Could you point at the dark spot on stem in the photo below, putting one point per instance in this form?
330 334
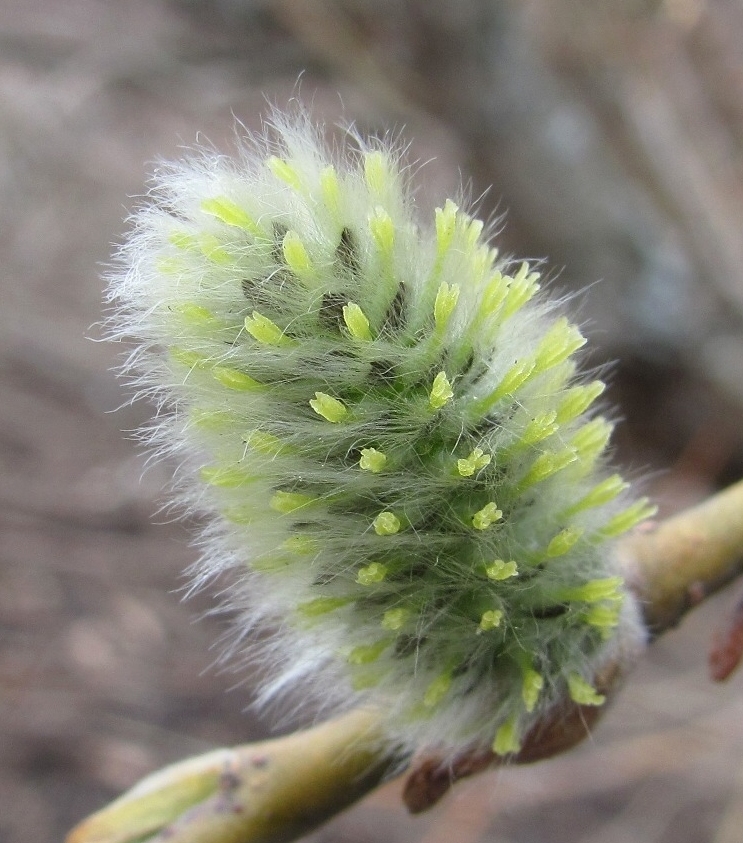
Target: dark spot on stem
229 780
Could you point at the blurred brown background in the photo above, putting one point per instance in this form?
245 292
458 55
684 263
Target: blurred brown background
612 136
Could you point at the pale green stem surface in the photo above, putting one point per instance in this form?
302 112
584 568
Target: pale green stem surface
675 564
268 792
277 790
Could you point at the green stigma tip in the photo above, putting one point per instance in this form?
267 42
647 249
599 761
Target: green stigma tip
331 409
446 222
386 524
594 591
546 465
539 429
511 382
592 438
564 541
295 255
321 606
287 502
356 322
583 692
367 653
531 689
521 289
441 392
383 230
330 188
473 228
628 518
371 574
394 619
486 517
558 344
234 379
474 462
265 331
604 617
500 570
446 301
225 477
602 493
493 296
491 619
285 171
372 460
197 316
507 740
226 211
577 400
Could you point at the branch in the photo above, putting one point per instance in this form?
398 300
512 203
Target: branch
274 791
268 792
674 565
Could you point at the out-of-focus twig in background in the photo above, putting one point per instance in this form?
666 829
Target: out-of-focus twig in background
611 137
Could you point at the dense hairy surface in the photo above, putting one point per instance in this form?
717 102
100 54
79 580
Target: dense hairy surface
386 423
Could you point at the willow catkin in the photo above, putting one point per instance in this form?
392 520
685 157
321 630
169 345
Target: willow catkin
387 429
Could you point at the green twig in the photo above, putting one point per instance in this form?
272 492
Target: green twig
273 791
674 565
